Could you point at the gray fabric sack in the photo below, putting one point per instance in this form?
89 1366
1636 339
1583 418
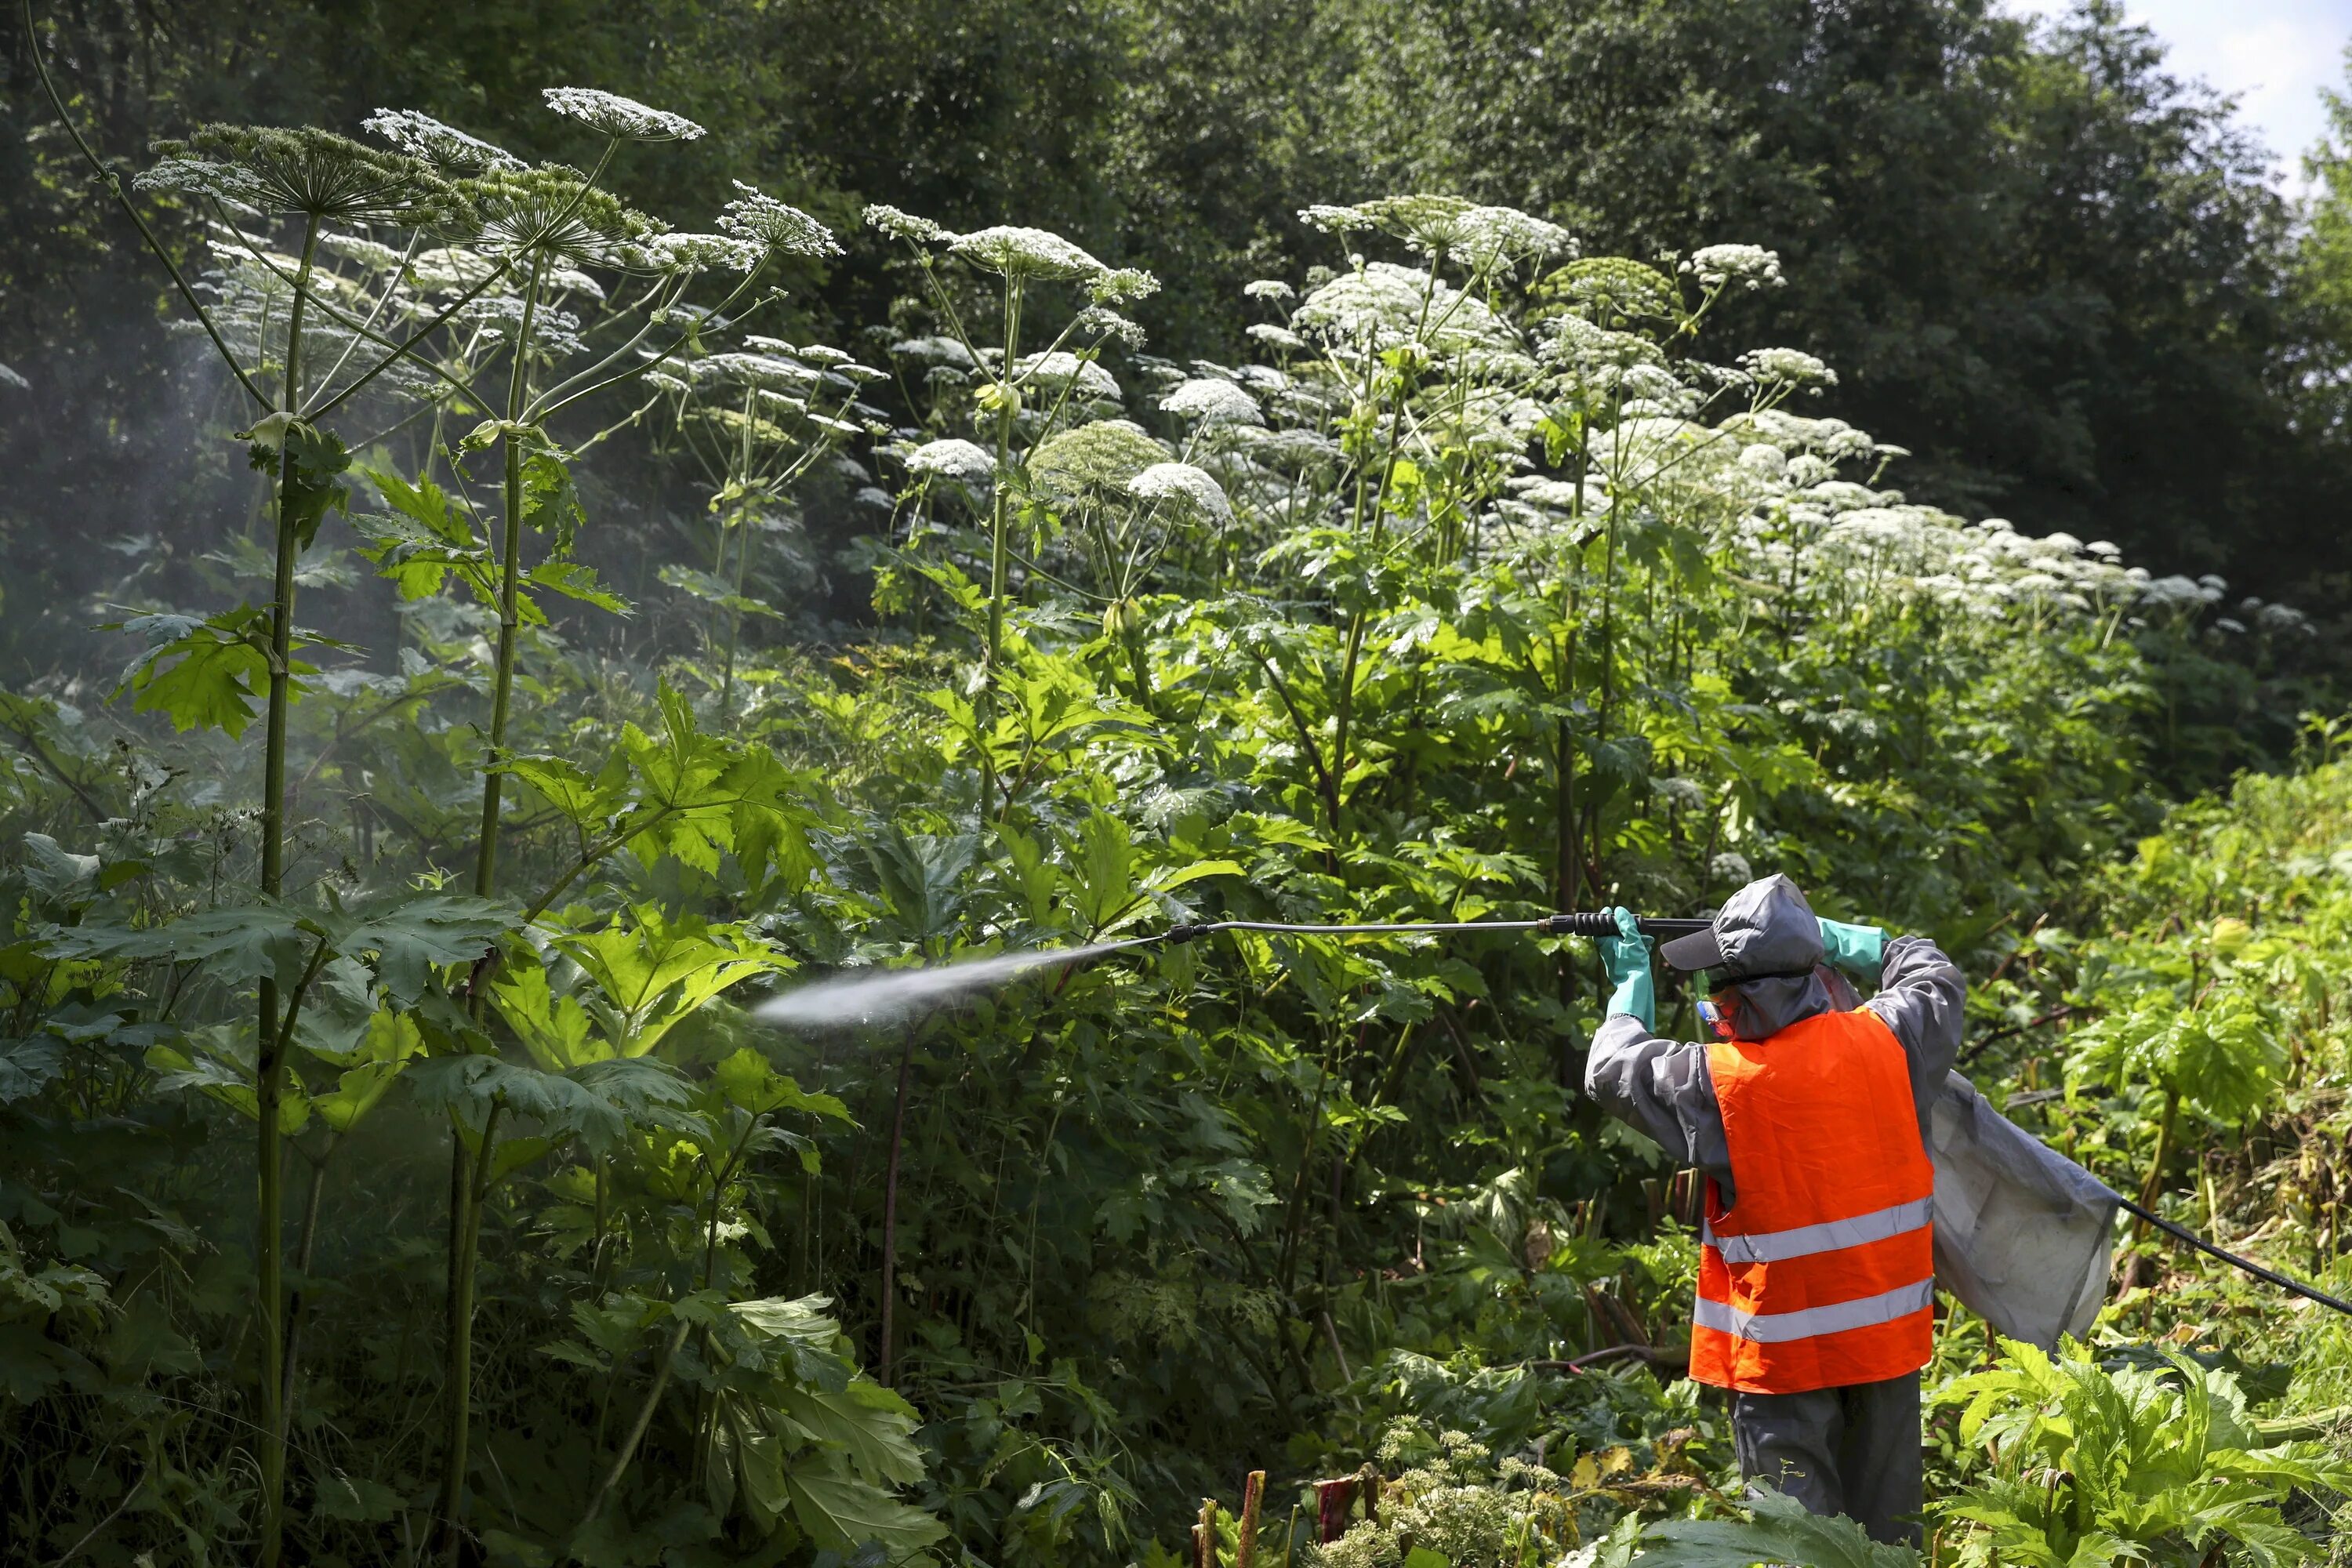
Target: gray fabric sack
2023 1233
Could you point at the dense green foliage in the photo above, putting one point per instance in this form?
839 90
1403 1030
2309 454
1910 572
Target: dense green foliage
397 1163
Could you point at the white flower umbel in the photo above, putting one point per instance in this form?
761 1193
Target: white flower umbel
452 150
758 218
892 223
933 351
1102 321
202 178
1335 219
1018 252
1746 266
615 116
448 270
696 253
1791 368
754 369
952 459
1478 235
1122 285
1188 487
1387 305
375 258
1209 400
1272 289
1062 368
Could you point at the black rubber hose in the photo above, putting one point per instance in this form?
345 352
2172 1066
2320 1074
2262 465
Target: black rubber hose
2181 1233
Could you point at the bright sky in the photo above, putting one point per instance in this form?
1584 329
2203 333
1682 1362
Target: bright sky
2273 55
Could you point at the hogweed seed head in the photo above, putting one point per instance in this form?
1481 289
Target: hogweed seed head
447 148
316 174
783 229
555 214
1016 252
1092 461
623 118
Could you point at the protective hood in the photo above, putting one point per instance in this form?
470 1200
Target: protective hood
1765 947
1765 928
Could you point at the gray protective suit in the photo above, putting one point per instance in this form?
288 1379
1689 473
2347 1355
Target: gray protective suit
1853 1450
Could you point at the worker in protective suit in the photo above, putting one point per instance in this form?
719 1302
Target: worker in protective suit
1816 1273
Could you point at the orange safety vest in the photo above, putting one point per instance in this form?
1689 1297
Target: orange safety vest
1823 1273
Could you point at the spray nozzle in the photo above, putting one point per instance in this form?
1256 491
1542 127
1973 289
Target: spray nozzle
1178 935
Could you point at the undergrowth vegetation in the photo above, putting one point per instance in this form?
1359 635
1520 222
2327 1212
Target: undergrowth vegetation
396 1166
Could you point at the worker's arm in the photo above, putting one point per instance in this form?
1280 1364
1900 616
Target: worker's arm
1661 1088
1920 996
1653 1085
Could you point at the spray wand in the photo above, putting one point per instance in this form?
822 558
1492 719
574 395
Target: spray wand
1584 922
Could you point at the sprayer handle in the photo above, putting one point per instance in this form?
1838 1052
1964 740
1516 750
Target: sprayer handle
1601 923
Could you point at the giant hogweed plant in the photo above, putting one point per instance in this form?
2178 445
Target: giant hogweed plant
1017 401
305 339
755 420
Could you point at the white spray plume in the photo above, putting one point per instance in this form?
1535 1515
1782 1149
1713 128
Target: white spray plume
878 998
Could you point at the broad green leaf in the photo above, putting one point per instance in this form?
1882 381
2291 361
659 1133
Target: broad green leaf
467 1087
872 1427
213 673
550 502
412 937
655 972
556 1030
234 944
308 464
750 1083
843 1513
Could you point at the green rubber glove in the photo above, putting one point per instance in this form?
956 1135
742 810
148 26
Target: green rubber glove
1860 951
1626 958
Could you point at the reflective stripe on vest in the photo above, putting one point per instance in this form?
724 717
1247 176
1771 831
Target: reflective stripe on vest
1781 1328
1831 1236
1824 1273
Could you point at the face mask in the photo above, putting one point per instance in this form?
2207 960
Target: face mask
1715 1019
